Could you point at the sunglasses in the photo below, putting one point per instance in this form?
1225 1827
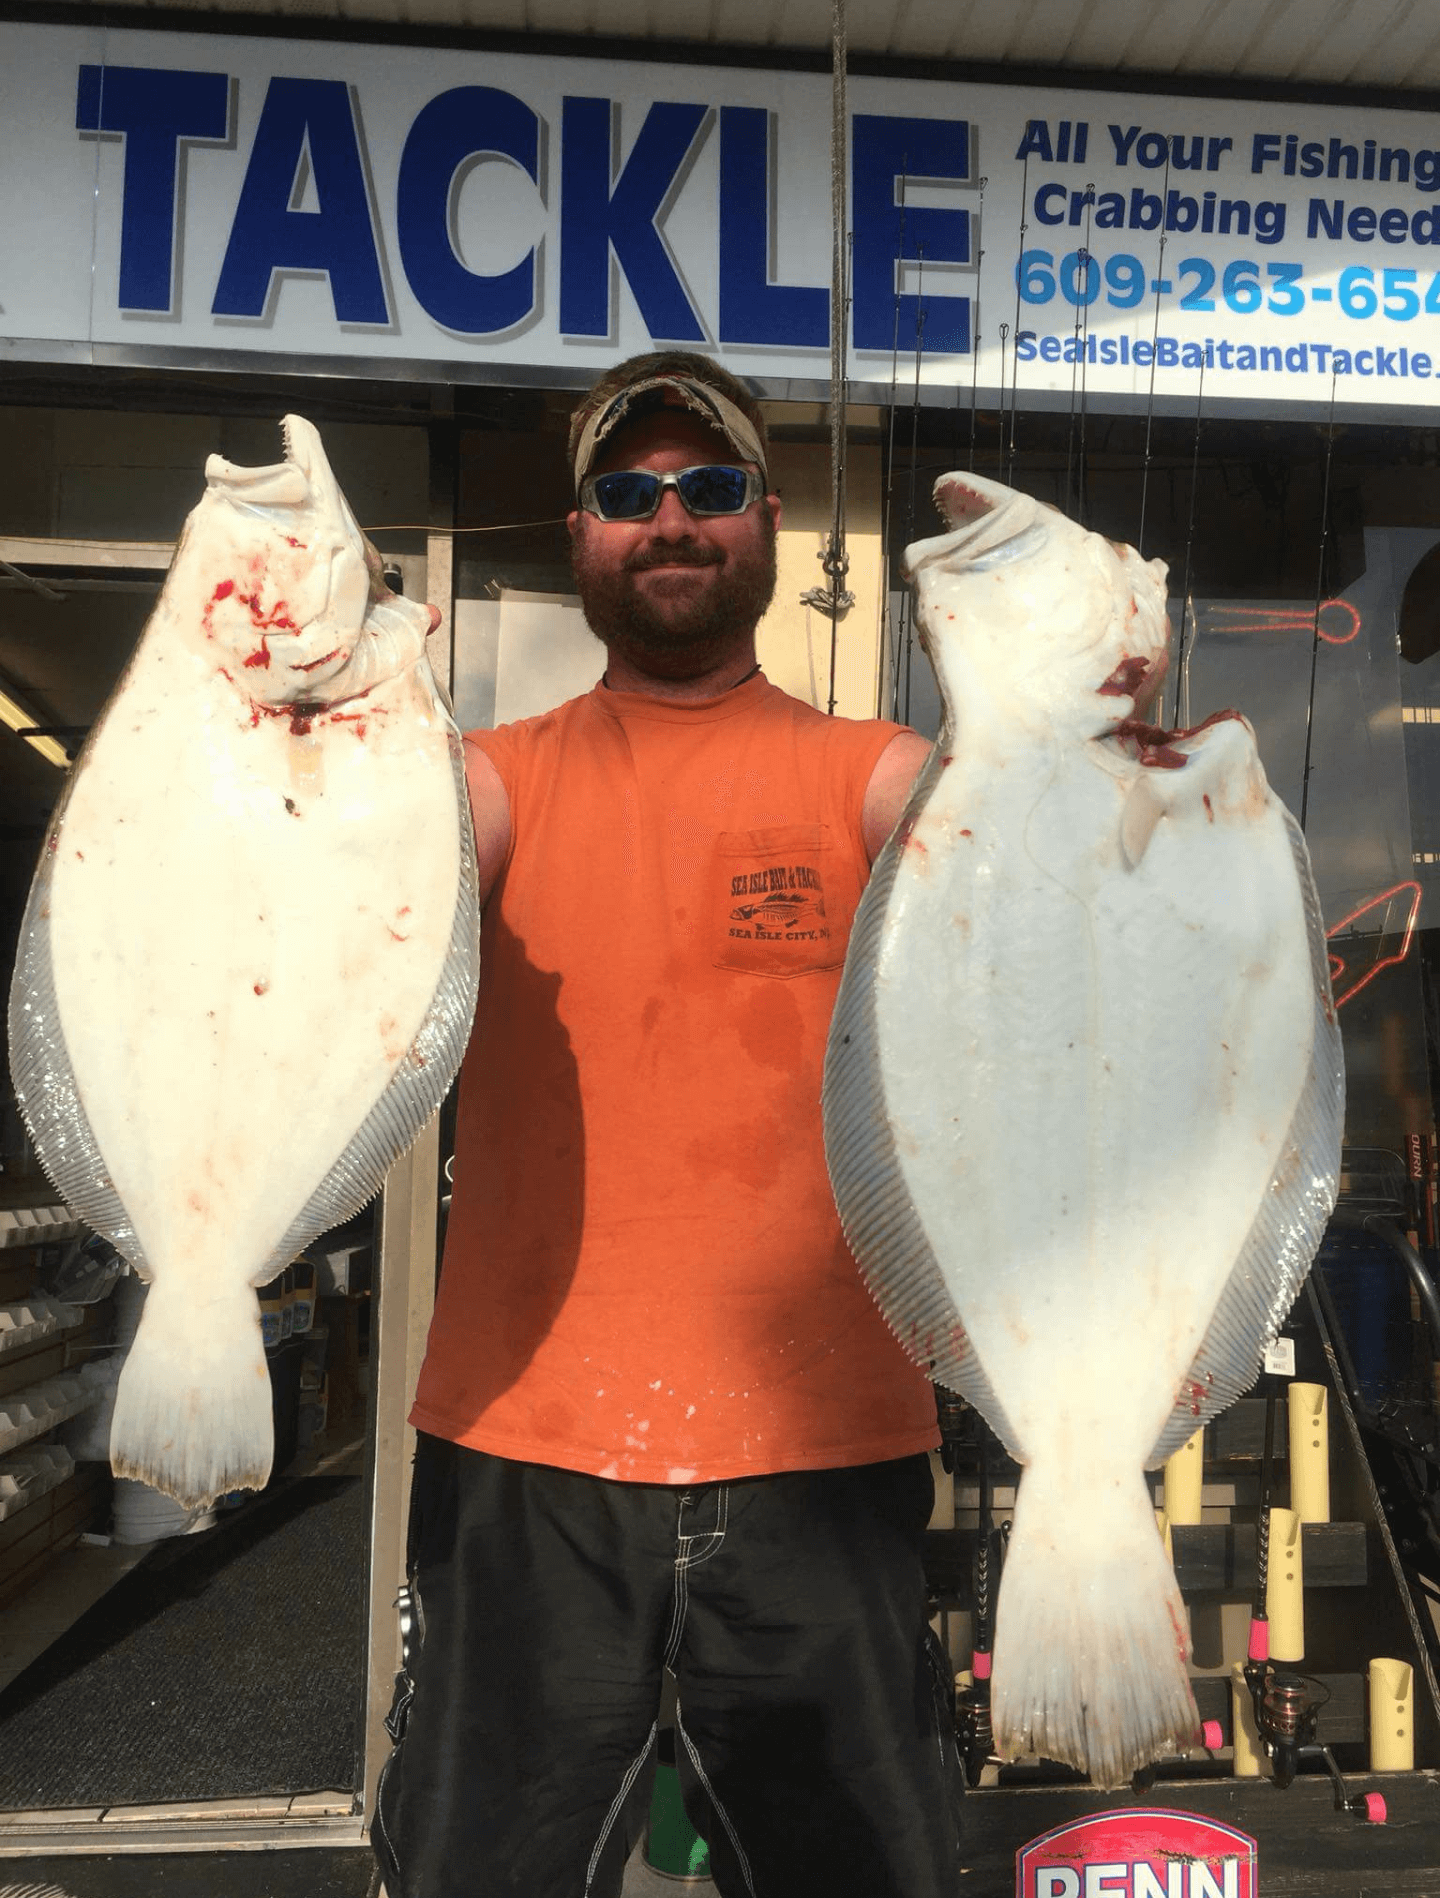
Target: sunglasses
635 494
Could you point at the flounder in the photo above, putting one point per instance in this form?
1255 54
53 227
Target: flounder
248 966
1083 1092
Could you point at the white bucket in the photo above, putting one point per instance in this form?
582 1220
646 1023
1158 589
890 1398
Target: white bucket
144 1514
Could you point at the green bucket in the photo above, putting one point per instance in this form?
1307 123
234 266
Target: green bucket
672 1845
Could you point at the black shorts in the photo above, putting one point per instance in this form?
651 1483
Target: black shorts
813 1737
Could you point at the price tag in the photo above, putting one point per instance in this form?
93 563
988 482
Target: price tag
1280 1358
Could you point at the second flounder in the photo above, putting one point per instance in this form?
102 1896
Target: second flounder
1084 1093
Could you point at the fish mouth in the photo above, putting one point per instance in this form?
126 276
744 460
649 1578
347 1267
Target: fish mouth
303 483
989 525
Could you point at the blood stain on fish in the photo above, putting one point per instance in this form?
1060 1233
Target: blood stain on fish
1153 743
1125 680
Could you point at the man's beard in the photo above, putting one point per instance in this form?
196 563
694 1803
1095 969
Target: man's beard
678 638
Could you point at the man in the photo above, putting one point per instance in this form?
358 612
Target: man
663 1424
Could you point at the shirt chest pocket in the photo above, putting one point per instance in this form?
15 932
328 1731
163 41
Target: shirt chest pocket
783 900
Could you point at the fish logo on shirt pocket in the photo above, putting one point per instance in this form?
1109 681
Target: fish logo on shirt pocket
774 901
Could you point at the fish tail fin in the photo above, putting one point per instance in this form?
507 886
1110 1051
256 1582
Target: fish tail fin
1091 1635
193 1412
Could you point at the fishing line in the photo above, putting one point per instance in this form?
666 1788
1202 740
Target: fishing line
835 560
1154 339
1077 345
1181 654
504 527
1008 460
1319 596
1079 372
388 527
975 336
1082 494
914 457
898 629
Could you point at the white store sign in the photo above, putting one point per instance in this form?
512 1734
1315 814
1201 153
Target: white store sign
212 199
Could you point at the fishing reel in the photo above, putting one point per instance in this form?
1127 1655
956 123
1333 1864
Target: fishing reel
974 1728
960 1426
1287 1709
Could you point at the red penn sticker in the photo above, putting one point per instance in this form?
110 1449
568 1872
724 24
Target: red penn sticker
1138 1853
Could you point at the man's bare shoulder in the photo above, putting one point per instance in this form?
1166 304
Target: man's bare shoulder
490 810
889 788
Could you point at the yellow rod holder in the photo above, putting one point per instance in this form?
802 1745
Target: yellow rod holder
1184 1474
1392 1716
1310 1452
1285 1587
1250 1758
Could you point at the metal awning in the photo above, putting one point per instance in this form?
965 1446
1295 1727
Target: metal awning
1386 44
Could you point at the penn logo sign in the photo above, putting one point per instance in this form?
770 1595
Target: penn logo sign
1138 1854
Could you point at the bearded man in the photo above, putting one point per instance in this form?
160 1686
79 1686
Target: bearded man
663 1425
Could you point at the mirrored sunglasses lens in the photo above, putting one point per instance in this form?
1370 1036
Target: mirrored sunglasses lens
713 490
627 496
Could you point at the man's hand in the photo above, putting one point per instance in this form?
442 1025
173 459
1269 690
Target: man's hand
889 787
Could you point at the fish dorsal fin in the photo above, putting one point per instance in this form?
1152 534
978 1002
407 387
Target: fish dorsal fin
879 1219
45 1083
1290 1221
418 1084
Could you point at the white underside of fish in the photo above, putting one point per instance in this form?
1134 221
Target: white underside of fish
1082 1107
246 978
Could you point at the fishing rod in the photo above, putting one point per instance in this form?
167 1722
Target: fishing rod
1319 595
978 1730
899 627
914 455
1182 654
960 1426
1154 339
1008 460
1256 1667
834 559
975 334
1079 370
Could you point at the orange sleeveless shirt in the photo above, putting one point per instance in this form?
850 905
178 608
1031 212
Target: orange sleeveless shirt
644 1274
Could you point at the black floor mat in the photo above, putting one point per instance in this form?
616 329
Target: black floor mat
314 1873
229 1663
